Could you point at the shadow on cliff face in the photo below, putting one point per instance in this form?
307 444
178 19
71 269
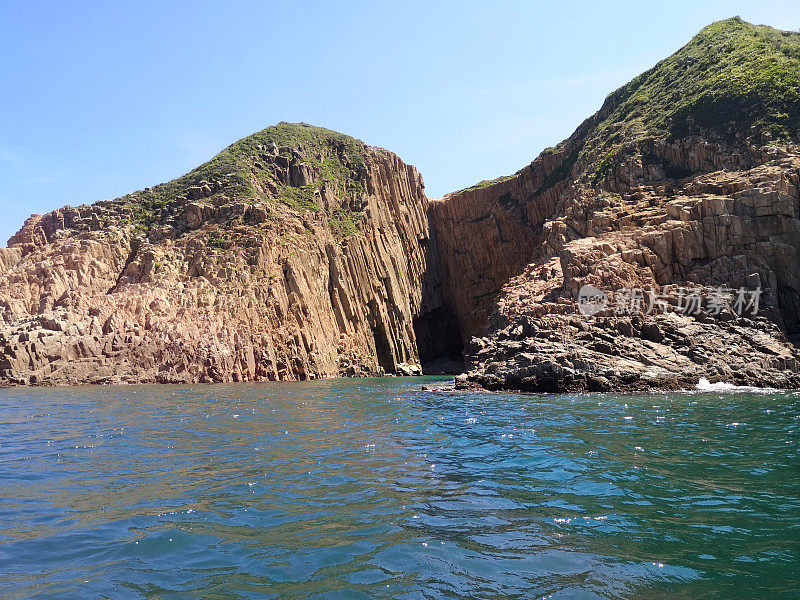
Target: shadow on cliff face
437 328
439 342
383 348
789 302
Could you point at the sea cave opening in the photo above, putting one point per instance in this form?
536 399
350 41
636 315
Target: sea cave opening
383 349
439 342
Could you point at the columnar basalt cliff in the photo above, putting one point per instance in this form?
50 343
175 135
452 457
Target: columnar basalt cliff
296 253
686 181
299 252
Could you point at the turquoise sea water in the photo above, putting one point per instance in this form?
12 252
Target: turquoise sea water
377 489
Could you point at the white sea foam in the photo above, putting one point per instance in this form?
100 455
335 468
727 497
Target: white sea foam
704 385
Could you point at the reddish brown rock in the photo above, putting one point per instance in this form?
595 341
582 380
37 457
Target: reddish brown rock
737 228
221 288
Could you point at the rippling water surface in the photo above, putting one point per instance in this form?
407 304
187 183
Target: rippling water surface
377 489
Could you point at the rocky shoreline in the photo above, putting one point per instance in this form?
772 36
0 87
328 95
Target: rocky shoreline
572 353
301 253
722 229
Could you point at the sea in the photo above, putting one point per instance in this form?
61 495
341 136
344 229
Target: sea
397 488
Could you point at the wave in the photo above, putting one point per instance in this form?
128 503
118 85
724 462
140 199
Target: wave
704 385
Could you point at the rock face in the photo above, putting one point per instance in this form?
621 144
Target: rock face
636 204
560 353
297 253
723 229
486 235
300 253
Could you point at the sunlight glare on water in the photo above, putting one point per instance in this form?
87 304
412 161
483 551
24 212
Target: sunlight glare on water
378 489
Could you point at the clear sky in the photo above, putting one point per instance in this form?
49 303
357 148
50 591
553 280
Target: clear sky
104 98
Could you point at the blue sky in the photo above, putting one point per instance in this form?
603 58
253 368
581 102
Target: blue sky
104 98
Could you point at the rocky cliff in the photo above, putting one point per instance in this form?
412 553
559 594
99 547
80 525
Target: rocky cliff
299 253
685 183
295 253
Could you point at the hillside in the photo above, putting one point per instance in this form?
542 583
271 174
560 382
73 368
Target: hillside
295 253
289 162
298 252
732 81
687 177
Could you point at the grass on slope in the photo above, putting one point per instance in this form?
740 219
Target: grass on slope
731 78
338 158
486 183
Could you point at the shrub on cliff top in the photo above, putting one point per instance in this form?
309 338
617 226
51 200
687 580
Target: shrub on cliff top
339 160
732 79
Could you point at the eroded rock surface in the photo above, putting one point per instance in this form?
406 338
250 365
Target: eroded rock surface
305 261
640 229
649 196
301 253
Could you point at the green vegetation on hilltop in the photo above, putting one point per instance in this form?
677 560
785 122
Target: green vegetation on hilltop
486 183
733 79
338 160
339 169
